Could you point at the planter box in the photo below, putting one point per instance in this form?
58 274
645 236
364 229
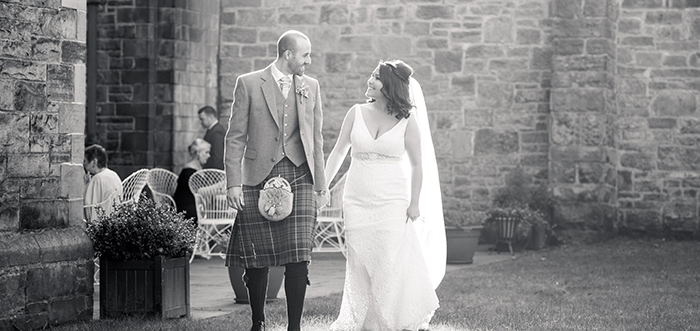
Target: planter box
160 287
462 244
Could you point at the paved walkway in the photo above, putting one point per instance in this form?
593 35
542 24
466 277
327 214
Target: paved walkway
211 293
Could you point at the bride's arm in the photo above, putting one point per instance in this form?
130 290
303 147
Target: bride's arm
342 145
413 149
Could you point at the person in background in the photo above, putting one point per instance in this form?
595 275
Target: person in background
209 119
184 199
103 186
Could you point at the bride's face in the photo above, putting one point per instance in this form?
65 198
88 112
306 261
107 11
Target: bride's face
374 86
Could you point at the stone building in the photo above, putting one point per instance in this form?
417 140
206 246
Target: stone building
597 99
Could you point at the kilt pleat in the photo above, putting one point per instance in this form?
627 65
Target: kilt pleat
256 242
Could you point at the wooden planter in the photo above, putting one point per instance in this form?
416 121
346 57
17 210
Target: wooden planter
462 244
274 284
160 287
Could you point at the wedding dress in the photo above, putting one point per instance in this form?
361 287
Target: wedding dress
388 284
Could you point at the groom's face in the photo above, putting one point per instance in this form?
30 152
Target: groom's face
300 57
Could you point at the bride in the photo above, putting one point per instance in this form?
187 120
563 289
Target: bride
393 211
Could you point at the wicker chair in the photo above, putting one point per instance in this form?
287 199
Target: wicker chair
163 183
329 235
133 185
215 217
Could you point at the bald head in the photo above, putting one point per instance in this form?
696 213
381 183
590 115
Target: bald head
288 41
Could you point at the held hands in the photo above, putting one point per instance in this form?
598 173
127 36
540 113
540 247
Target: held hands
322 199
412 213
234 196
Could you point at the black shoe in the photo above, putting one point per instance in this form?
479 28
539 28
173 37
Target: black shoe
258 326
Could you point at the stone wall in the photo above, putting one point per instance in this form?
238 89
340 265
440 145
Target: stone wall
485 68
46 262
659 116
156 67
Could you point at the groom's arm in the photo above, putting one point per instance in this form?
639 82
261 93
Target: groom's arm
319 171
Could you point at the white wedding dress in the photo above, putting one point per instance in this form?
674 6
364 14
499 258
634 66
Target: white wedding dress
388 284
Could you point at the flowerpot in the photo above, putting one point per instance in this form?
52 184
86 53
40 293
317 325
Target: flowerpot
235 276
160 287
462 244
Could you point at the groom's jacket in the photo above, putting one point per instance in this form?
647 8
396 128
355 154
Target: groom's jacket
256 133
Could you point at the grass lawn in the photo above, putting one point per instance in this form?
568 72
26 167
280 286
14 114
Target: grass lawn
623 284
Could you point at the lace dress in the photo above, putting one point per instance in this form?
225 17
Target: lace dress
387 285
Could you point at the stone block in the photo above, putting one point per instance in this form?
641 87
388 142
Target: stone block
642 220
663 17
681 215
298 18
642 4
495 95
18 249
638 41
14 132
596 8
679 158
578 100
541 59
488 141
18 69
568 46
528 37
354 43
629 25
40 188
393 46
239 35
395 12
498 30
483 51
433 43
678 46
30 96
48 50
689 126
662 123
675 103
563 128
583 28
599 46
416 28
566 9
13 286
448 61
28 165
465 84
260 17
640 161
72 180
76 308
39 214
431 12
462 144
338 62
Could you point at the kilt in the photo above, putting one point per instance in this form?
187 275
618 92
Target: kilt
256 242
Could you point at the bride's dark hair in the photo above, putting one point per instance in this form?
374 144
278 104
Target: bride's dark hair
395 75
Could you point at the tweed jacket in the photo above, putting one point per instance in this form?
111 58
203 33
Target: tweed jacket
215 137
251 144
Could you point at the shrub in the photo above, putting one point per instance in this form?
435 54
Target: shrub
140 231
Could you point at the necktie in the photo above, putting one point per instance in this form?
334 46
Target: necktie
285 85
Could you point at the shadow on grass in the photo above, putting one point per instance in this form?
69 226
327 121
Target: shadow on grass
622 284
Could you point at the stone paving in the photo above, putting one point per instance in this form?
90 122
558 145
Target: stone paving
212 295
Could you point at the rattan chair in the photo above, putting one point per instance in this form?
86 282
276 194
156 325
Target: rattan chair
133 185
329 235
163 183
215 217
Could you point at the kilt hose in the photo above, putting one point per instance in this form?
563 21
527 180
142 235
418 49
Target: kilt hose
256 242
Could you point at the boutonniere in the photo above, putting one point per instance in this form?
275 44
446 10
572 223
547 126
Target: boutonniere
303 90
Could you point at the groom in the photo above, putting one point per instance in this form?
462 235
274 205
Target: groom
275 130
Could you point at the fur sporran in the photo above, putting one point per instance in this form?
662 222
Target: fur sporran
276 199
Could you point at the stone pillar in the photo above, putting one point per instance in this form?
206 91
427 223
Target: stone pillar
156 67
46 265
583 151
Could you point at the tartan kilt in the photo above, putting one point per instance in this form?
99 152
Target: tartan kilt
256 242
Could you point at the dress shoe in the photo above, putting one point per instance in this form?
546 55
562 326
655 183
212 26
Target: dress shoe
258 326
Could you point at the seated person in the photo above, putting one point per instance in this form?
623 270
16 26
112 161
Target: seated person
103 185
184 199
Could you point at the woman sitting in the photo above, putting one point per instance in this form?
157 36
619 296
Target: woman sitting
184 199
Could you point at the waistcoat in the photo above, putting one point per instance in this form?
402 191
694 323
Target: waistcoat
289 138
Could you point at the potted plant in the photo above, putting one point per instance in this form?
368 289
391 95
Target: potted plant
520 213
235 276
143 251
462 230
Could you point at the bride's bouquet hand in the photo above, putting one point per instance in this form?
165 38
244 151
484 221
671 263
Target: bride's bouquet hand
413 212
